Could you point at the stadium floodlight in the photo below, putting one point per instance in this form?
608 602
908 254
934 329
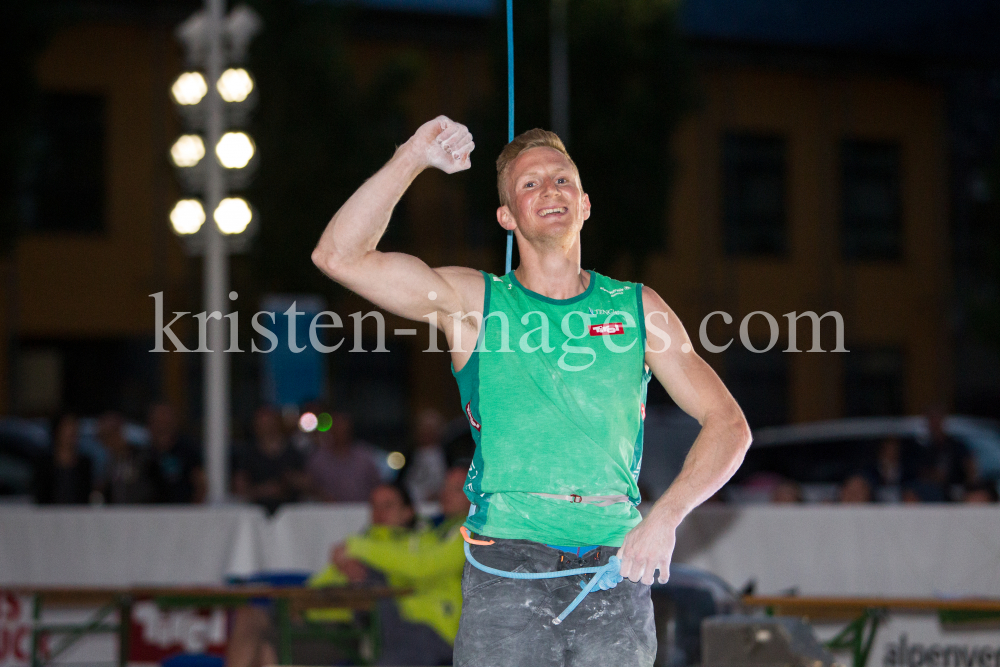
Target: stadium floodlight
189 88
188 150
235 149
187 217
235 85
233 215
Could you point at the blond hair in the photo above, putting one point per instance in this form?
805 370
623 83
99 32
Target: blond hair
535 138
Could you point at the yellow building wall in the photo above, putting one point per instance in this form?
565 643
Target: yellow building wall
898 303
98 285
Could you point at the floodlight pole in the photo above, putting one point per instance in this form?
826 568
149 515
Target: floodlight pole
216 275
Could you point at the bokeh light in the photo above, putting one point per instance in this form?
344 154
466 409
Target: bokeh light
234 150
188 150
324 422
189 88
308 422
235 85
233 215
395 460
187 216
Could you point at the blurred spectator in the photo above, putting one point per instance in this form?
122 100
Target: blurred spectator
420 628
178 476
425 475
253 637
894 467
786 491
759 487
920 491
947 462
856 489
980 494
128 474
340 469
269 472
65 476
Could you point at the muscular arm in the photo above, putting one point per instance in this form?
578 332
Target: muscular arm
715 455
399 283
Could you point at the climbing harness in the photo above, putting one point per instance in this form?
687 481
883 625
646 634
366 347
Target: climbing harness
605 576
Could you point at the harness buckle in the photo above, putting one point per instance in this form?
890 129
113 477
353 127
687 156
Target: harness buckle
575 498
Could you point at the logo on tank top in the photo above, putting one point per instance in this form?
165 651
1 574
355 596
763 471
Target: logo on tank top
606 311
609 329
618 291
472 420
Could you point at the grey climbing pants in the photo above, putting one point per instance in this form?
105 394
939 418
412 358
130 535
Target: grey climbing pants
508 622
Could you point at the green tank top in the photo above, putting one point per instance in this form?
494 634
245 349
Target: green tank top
555 396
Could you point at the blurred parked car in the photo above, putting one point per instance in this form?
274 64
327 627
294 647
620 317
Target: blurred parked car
22 443
820 455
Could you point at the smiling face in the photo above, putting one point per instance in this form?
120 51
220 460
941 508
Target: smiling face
547 204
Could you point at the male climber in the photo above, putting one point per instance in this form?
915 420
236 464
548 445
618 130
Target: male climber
552 363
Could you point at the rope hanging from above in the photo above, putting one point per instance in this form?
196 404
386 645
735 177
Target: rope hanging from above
510 107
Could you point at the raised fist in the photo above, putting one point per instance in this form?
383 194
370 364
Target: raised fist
444 144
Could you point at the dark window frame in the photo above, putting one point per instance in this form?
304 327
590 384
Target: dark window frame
750 376
854 390
749 160
69 192
875 164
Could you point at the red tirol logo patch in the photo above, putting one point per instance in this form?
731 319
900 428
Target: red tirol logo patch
472 420
609 329
642 411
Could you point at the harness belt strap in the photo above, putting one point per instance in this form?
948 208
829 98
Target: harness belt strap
600 501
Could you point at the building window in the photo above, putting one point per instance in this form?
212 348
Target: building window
87 376
754 206
871 210
69 190
873 382
39 381
759 383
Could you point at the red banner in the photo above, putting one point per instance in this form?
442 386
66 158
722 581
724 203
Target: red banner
15 630
156 633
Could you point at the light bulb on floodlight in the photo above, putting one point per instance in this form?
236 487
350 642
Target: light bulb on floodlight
234 150
188 150
233 215
189 88
187 217
235 85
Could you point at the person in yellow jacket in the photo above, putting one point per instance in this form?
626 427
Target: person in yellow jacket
253 634
419 628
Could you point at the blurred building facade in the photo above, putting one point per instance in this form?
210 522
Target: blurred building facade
805 191
814 177
76 308
821 175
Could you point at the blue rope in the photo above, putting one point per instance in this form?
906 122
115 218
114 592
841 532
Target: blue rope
510 106
606 576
